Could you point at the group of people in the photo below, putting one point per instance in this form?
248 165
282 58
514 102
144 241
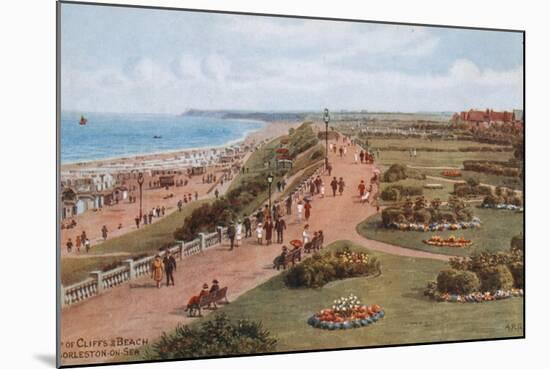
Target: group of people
161 267
195 300
365 156
147 218
80 241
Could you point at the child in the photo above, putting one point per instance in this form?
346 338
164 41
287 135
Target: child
259 233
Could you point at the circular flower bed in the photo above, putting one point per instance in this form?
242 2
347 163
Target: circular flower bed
346 313
432 227
451 173
452 241
478 296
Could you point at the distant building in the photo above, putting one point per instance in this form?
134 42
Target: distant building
488 117
166 181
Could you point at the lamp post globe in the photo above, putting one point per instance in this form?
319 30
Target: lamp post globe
140 180
269 181
326 118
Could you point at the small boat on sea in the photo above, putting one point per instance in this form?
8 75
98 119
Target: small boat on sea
83 120
155 136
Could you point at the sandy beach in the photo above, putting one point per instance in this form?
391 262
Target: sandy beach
119 218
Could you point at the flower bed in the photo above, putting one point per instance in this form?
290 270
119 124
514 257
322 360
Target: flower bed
452 241
451 173
478 296
432 227
503 207
346 313
321 269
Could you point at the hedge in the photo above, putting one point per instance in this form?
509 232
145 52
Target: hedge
218 337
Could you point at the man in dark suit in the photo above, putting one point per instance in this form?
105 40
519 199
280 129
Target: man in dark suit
280 226
169 267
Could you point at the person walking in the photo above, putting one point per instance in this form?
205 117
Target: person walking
238 233
322 189
87 245
259 233
169 267
137 220
157 270
268 226
334 186
180 205
341 185
151 217
280 226
247 226
329 169
356 157
231 233
288 204
361 188
69 245
83 235
307 208
299 210
362 156
217 193
305 234
78 243
104 232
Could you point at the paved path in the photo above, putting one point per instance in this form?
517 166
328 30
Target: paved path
140 310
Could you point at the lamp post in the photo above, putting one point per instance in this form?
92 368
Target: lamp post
269 182
140 180
326 118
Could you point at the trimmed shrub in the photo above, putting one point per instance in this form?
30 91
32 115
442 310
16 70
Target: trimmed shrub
517 242
517 272
392 215
457 281
320 269
496 278
395 173
397 192
218 337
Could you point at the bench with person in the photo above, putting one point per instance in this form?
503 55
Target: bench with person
287 257
207 299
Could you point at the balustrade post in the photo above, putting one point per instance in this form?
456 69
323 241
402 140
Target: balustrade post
219 229
97 275
129 263
181 246
202 238
62 295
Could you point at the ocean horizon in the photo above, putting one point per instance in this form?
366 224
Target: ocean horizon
114 135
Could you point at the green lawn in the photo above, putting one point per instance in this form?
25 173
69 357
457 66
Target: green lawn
146 240
407 143
498 227
487 178
410 317
438 159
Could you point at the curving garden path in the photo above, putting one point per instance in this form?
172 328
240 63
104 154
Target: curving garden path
140 310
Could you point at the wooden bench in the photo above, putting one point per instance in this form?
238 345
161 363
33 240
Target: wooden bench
207 300
291 257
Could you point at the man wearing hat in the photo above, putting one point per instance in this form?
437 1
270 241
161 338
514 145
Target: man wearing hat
231 232
169 267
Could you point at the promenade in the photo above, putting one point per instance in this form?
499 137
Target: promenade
140 310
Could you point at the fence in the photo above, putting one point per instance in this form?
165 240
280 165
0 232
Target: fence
131 269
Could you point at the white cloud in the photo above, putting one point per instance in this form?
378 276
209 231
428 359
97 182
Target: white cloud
208 83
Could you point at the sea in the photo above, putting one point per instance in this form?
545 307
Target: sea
109 135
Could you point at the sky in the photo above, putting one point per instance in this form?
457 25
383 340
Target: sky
133 60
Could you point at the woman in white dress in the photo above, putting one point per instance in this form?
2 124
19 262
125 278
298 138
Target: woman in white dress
305 234
259 233
238 233
299 211
356 157
322 189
